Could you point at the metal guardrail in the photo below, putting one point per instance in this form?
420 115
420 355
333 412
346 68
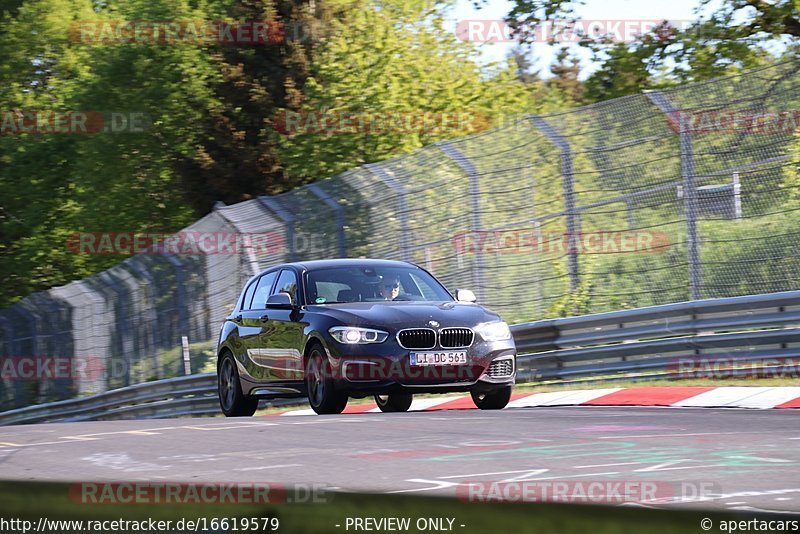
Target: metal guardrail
652 342
672 338
194 395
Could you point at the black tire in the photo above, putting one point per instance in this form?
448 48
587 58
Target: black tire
394 402
322 393
492 400
233 402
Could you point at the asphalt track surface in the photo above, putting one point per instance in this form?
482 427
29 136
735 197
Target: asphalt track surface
729 459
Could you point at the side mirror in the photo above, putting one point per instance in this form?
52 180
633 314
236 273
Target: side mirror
280 301
465 295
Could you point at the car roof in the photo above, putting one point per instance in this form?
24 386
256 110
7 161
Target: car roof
343 262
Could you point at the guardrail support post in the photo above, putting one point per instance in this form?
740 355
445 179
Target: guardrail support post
402 210
689 190
187 362
474 195
568 179
338 210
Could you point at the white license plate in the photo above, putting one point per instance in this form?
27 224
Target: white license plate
439 358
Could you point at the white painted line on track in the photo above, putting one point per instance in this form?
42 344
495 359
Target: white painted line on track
668 466
761 459
263 467
676 435
605 465
492 473
437 485
609 473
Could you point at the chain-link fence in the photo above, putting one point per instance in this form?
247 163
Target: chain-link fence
667 196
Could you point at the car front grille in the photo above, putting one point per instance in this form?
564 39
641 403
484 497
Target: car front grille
417 338
501 368
454 338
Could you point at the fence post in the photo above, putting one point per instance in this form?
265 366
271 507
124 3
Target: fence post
6 347
15 393
402 210
152 320
338 210
568 179
474 196
287 217
180 281
689 188
32 324
122 321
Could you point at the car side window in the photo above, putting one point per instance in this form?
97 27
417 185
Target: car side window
248 295
287 283
262 292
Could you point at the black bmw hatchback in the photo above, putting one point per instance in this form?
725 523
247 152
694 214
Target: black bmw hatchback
335 329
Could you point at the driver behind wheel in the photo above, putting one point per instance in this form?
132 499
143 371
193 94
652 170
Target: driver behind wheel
390 287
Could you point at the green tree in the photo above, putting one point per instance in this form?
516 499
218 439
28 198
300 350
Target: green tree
53 185
565 70
394 60
237 156
733 36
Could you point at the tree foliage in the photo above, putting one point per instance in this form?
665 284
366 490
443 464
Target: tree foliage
211 109
391 78
727 36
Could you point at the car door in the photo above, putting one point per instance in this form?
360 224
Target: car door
283 333
252 325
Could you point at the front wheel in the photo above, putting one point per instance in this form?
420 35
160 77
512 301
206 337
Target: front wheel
395 402
492 400
233 402
322 395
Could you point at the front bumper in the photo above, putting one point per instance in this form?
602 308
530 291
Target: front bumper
386 368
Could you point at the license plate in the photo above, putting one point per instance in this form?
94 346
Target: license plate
439 358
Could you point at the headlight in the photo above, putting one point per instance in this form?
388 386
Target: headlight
497 331
351 335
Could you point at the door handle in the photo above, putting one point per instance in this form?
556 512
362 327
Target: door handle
264 318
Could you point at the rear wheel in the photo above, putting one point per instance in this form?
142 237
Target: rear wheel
233 402
492 400
322 394
394 402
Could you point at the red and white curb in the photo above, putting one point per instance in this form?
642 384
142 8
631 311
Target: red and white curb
681 397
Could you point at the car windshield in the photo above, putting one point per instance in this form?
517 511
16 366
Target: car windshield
372 284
